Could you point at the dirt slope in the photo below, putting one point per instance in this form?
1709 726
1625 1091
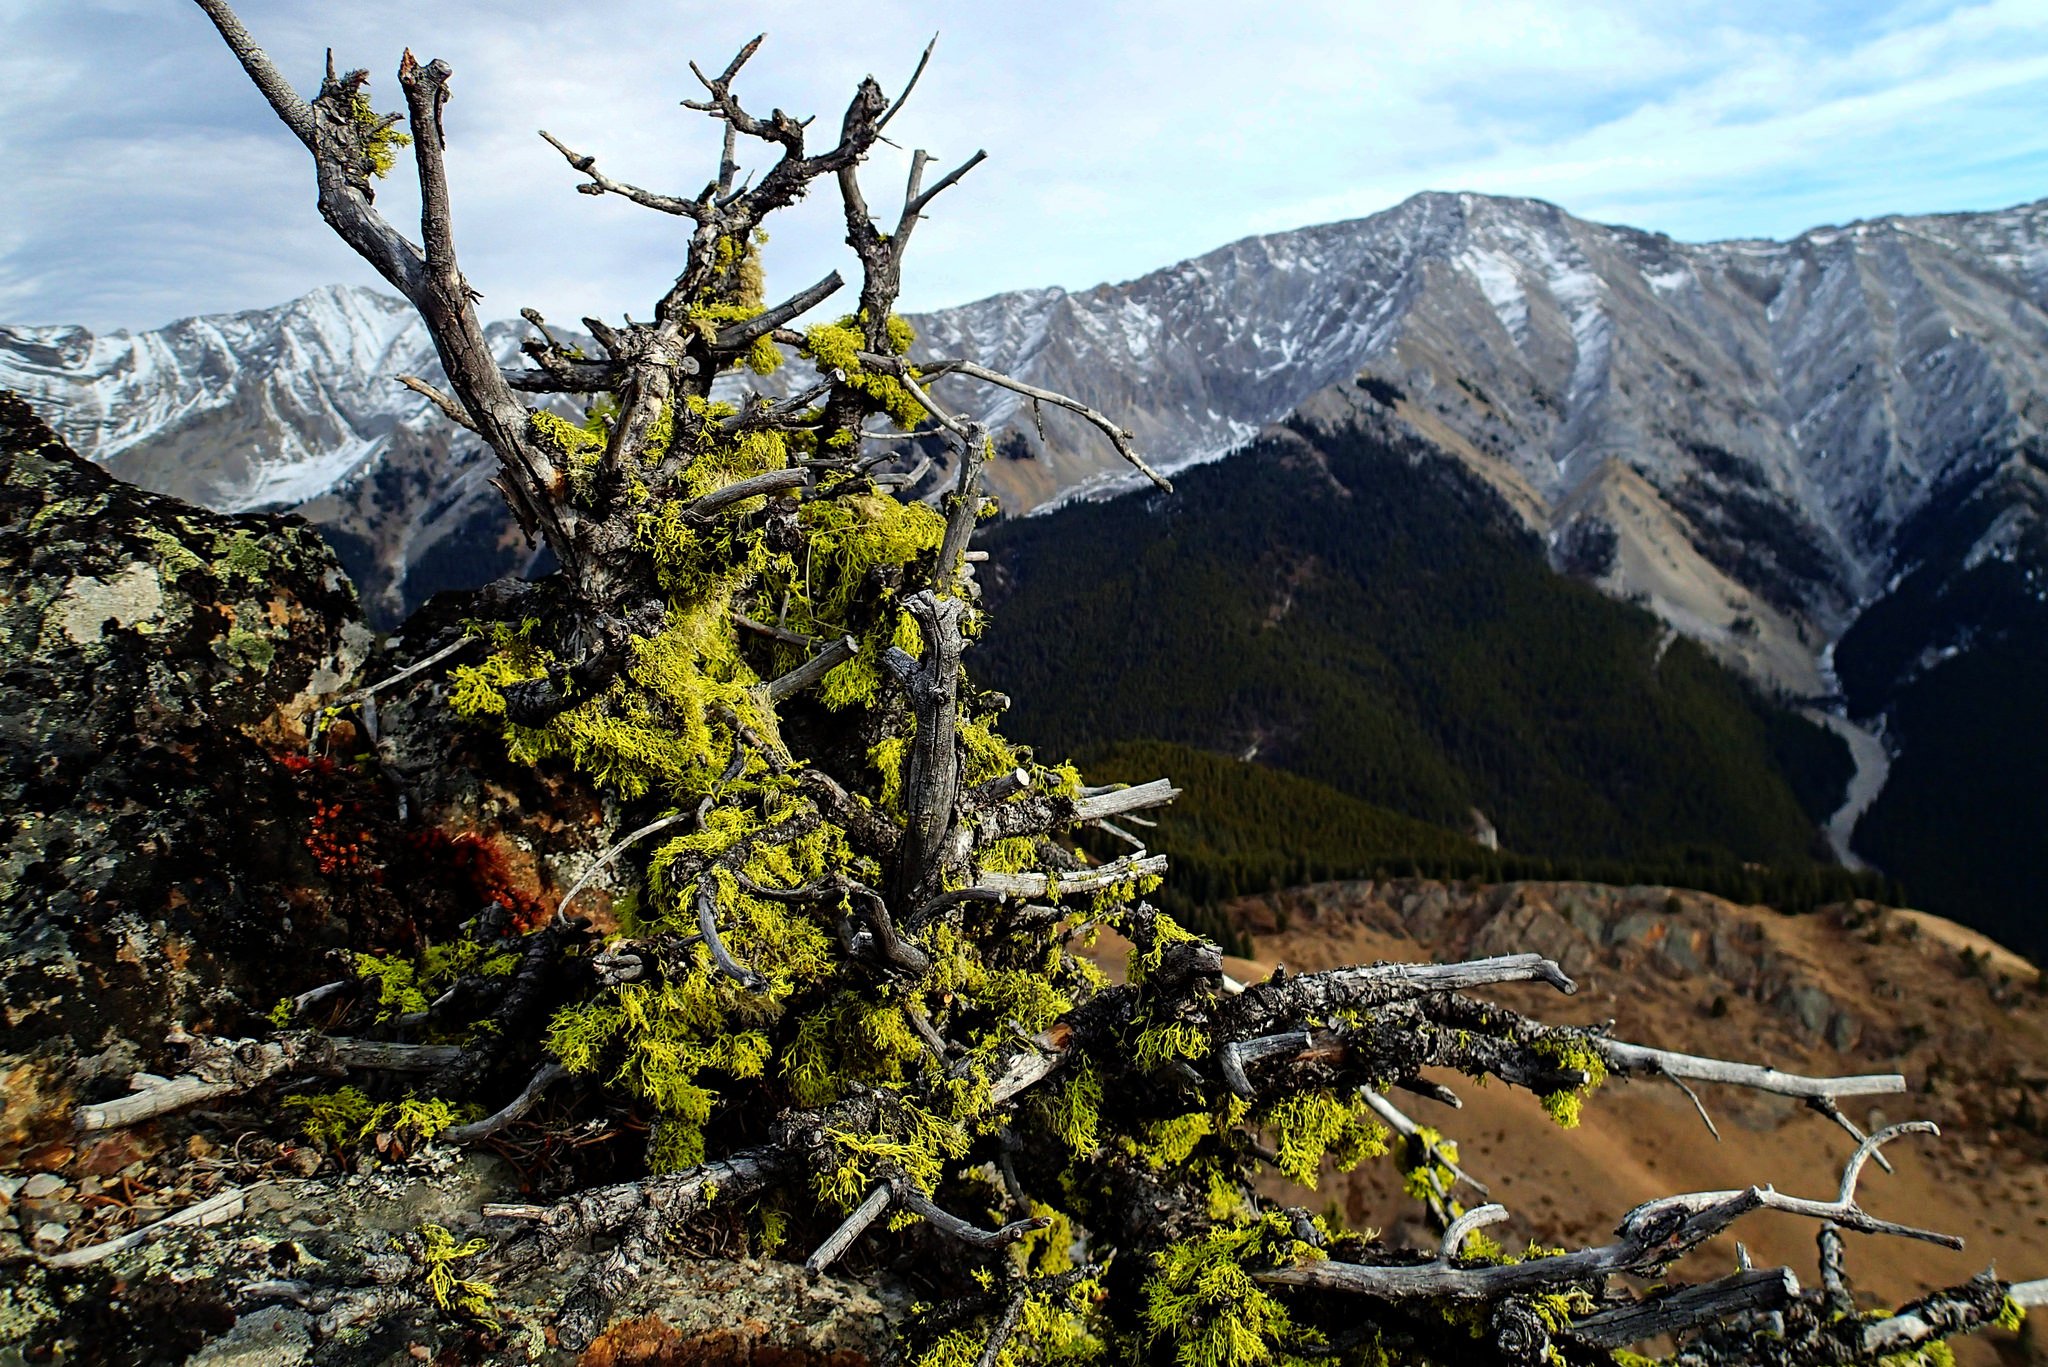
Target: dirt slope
1853 989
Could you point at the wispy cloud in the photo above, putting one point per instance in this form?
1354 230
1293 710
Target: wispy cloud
146 180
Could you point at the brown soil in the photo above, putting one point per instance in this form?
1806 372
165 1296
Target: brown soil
1850 989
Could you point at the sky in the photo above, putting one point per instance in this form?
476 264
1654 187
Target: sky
143 179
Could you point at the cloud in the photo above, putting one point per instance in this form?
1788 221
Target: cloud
147 180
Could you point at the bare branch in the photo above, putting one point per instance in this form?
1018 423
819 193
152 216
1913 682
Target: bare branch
767 482
841 1239
1747 1292
1634 1058
737 338
893 109
1031 885
1118 437
916 1202
811 671
600 183
1408 1129
794 638
616 849
294 111
224 1067
513 1110
707 924
212 1211
445 403
916 205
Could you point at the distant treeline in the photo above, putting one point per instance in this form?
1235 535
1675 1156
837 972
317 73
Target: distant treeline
1241 828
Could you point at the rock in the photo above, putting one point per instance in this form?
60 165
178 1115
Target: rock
272 1337
153 650
42 1186
109 1156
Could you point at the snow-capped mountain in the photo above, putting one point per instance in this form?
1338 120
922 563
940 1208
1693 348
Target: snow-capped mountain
1734 432
296 407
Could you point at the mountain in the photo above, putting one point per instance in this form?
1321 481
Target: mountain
295 407
1737 431
1820 459
1340 603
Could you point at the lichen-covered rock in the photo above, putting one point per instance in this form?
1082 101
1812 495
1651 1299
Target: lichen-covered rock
152 652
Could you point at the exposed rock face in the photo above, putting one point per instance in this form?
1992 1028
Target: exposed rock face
152 651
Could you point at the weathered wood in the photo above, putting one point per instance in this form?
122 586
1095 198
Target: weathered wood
1763 1288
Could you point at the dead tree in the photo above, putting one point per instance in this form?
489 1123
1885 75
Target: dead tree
849 991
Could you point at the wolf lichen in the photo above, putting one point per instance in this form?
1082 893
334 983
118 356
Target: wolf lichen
1570 1054
437 1253
1308 1126
378 135
1203 1306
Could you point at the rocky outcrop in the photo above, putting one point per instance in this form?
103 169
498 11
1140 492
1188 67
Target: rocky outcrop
155 656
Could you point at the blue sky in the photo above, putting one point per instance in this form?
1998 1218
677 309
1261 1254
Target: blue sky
146 180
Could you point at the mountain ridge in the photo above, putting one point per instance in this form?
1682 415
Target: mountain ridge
1757 440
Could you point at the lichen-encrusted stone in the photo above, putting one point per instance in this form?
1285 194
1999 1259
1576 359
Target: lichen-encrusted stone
152 651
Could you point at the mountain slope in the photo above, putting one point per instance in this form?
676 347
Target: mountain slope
1955 656
1786 406
296 407
1339 603
1855 989
1764 443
